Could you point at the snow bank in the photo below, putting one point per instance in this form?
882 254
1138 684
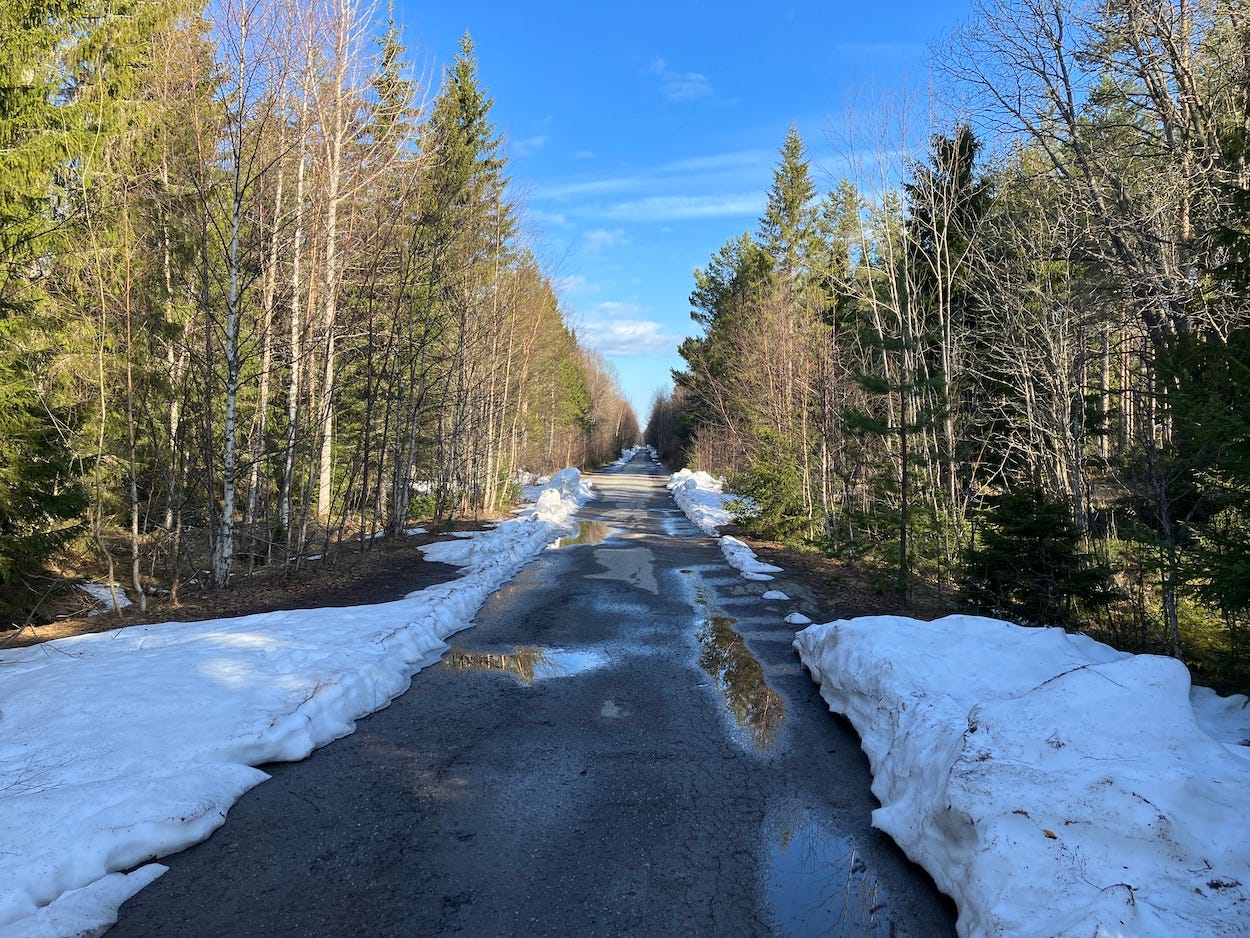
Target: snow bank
123 746
1224 718
700 497
554 504
1051 785
627 454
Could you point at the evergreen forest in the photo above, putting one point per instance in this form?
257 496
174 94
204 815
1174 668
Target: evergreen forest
261 290
1004 353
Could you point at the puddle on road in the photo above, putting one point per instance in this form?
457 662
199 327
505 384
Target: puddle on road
817 884
679 527
588 533
756 707
526 663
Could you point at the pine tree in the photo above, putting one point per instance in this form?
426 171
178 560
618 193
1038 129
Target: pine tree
464 179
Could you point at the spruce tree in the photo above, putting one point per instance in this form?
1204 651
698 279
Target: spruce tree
464 179
43 133
788 228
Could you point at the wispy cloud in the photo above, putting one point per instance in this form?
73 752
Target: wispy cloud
878 50
575 285
713 169
706 186
678 85
591 187
716 162
679 207
602 239
551 219
523 148
618 329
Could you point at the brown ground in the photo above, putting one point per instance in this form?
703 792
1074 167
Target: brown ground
843 590
392 567
387 570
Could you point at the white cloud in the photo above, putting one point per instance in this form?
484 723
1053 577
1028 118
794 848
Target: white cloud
616 329
734 159
552 219
678 85
878 50
615 309
693 187
602 239
747 165
590 187
584 155
575 285
678 207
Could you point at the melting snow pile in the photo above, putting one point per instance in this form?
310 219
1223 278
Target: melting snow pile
743 559
554 504
700 497
123 746
1051 785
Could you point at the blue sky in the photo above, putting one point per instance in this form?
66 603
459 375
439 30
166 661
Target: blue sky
642 136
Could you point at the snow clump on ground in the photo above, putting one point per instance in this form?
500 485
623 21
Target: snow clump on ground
702 498
627 454
108 595
743 559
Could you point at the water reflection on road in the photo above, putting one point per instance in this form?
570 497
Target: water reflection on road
588 533
527 663
724 655
817 884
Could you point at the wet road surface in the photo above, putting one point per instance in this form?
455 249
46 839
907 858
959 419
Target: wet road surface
624 743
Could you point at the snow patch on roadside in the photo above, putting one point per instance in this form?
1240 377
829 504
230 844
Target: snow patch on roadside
627 454
109 595
744 560
89 911
700 498
123 746
1051 785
